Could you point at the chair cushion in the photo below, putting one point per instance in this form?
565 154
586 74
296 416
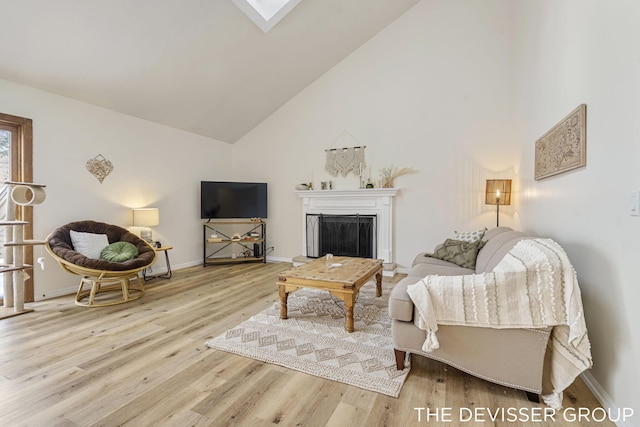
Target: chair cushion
59 243
119 252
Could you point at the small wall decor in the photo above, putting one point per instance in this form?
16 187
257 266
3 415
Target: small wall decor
564 147
345 160
99 167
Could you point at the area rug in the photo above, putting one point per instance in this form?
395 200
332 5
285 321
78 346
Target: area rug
313 339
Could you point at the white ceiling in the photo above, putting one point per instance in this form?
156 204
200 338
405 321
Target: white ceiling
197 65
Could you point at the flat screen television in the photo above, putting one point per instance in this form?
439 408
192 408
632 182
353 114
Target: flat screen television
233 199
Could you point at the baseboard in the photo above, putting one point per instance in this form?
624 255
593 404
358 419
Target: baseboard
58 293
278 259
187 264
604 398
403 270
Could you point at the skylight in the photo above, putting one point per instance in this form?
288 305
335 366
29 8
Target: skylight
266 13
267 8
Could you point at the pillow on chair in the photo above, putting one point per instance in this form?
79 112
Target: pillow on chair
470 236
88 244
459 252
119 252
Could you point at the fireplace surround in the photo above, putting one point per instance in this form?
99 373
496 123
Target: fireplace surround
370 201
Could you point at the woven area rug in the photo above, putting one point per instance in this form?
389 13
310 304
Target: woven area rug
313 339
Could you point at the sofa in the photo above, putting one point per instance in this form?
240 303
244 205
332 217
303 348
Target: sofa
511 357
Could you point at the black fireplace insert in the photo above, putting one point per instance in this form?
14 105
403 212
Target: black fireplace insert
341 235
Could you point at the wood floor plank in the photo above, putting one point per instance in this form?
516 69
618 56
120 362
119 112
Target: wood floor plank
145 363
383 412
291 405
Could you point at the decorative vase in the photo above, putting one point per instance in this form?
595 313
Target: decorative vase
387 182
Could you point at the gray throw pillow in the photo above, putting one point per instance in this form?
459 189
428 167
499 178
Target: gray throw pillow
459 252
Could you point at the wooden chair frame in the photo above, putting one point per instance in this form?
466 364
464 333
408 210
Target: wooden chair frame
105 281
101 282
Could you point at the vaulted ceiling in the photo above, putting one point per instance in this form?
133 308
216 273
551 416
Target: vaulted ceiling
197 65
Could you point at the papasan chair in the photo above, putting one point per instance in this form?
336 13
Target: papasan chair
109 282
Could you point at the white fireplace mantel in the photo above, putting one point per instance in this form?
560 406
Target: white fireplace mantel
371 201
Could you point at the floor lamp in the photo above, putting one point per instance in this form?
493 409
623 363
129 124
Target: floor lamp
498 193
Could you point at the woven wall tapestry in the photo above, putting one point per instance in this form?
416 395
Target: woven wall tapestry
345 160
99 167
564 146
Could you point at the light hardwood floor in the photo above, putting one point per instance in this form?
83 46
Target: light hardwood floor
145 363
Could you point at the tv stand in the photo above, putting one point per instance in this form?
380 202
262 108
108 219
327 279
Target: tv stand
248 246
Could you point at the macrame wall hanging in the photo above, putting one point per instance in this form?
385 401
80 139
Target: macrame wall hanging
345 160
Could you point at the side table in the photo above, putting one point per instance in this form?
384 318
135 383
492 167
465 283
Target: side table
166 275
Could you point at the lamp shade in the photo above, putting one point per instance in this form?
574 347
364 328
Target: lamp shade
146 217
498 192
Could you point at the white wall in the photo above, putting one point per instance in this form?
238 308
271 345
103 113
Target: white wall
431 91
571 52
444 90
154 165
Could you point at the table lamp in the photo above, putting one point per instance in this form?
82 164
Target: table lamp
146 217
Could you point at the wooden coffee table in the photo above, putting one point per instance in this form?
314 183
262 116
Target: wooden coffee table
343 282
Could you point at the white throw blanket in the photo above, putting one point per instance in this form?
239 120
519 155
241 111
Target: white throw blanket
534 286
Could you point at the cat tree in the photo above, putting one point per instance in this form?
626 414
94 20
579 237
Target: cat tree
13 268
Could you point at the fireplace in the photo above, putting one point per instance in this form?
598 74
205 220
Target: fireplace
376 202
342 235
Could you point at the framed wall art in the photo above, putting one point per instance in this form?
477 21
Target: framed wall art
564 146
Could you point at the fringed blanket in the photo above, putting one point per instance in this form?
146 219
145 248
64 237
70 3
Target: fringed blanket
534 286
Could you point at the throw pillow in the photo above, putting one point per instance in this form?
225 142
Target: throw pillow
119 252
460 252
88 244
470 236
